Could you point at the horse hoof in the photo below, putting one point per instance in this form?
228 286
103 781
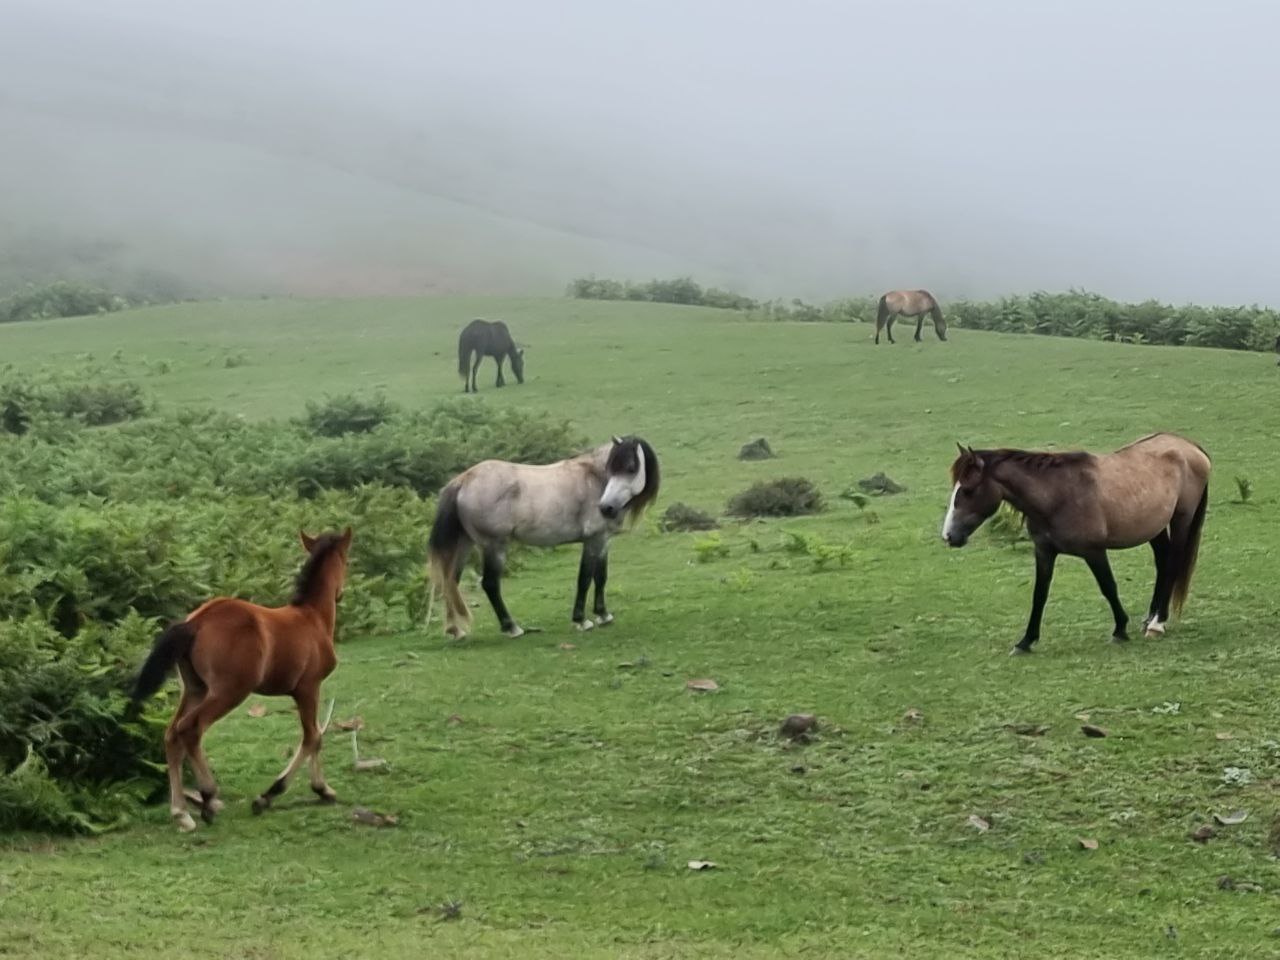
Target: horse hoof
208 812
260 804
183 822
455 633
514 631
326 794
605 620
1154 629
584 626
1019 651
1119 638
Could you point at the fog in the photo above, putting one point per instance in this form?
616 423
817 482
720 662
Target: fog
803 148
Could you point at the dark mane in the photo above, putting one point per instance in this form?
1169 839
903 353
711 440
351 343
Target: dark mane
309 575
623 459
1032 460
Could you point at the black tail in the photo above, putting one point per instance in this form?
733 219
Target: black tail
1187 555
446 529
882 310
170 647
464 354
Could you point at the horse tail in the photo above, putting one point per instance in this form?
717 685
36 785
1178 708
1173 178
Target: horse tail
172 646
447 539
464 354
882 310
1187 555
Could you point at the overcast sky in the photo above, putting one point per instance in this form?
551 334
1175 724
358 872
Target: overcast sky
800 148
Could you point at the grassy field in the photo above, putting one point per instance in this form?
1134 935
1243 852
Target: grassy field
556 795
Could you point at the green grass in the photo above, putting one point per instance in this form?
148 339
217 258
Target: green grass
562 810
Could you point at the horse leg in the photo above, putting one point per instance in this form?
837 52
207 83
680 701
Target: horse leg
919 326
174 755
308 700
212 708
601 576
491 580
888 329
501 382
474 370
586 572
1101 569
879 324
1162 547
1179 530
1046 557
305 700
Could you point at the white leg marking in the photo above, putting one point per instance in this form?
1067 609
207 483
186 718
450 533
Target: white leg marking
584 626
605 620
1155 628
182 820
515 631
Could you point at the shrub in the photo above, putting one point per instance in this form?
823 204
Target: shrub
785 497
74 754
59 299
682 517
348 414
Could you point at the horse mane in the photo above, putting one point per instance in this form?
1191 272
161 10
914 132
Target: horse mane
309 575
652 475
1036 461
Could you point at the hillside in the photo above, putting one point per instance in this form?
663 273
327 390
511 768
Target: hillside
563 802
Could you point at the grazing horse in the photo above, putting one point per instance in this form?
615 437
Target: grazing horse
582 500
1155 490
228 649
487 338
909 303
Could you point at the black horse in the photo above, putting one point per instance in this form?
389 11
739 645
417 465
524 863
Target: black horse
487 338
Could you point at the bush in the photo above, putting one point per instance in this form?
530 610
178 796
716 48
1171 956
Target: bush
74 755
94 404
59 299
785 497
681 517
348 414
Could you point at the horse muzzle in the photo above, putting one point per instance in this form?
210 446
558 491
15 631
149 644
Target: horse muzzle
609 511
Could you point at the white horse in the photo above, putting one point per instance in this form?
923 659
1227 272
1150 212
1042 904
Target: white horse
584 500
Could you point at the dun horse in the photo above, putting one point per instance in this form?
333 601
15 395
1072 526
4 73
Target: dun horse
1155 490
583 500
228 649
487 338
909 303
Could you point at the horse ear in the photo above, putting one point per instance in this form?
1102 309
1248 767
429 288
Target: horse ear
307 542
960 447
346 537
616 440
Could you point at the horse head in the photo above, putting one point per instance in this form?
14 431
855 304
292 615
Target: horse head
974 498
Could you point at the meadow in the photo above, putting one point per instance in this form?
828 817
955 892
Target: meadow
551 791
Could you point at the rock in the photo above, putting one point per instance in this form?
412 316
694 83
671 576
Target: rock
881 484
757 449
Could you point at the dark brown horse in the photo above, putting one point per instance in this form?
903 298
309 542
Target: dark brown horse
909 303
1155 490
486 338
228 649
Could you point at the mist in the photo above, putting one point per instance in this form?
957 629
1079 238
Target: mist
812 149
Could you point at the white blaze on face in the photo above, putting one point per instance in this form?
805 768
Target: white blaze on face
949 520
620 491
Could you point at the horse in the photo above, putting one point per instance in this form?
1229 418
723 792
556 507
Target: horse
1154 490
487 338
1278 349
228 649
909 303
584 500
